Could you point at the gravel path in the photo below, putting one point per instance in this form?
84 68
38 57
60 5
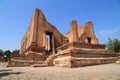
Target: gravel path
98 72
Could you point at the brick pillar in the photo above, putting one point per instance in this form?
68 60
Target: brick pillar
53 49
44 40
73 31
35 25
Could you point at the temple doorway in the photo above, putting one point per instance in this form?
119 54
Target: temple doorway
49 42
89 40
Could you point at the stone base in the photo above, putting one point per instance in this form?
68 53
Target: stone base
79 62
69 57
62 62
77 57
27 60
118 59
22 63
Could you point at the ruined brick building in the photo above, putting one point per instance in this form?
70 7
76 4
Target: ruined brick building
43 44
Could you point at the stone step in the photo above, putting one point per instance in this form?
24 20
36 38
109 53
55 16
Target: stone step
22 63
39 65
101 58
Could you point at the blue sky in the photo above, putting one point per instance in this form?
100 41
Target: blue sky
15 16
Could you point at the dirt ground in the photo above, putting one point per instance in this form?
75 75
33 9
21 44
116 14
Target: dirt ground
98 72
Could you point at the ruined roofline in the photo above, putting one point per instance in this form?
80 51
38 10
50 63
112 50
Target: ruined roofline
36 10
40 12
39 15
89 22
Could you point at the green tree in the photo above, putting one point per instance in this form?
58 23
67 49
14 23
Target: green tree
7 53
15 52
1 52
113 45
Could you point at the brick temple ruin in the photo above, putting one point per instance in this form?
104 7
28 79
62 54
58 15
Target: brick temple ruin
44 45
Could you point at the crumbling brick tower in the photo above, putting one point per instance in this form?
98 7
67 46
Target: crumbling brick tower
36 39
81 34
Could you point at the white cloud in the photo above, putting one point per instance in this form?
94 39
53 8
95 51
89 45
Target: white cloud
103 35
107 32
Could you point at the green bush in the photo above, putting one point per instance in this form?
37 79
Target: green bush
113 45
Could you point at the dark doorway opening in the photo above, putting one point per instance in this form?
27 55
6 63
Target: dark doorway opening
89 40
49 41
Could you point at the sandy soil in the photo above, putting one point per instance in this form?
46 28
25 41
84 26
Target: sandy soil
98 72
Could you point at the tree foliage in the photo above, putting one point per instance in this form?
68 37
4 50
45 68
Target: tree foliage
113 45
7 53
1 52
15 52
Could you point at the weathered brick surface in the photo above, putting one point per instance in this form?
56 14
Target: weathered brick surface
118 58
35 37
78 47
84 57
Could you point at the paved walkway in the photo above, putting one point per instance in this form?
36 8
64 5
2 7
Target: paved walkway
99 72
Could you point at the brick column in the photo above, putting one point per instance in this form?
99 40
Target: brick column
44 40
73 31
35 25
53 49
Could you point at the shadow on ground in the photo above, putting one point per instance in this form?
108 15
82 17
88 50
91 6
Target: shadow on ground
5 70
8 72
